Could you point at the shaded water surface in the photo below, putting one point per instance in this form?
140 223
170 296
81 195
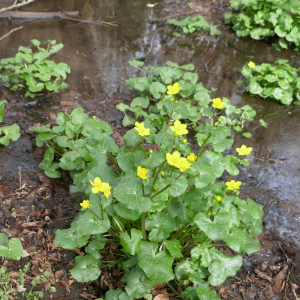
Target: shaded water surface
98 58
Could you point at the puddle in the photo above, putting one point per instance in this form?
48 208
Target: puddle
98 58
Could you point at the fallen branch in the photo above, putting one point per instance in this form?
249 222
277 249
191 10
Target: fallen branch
51 15
10 32
15 5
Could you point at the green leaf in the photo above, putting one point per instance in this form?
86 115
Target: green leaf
86 269
127 120
184 270
207 294
192 77
161 225
156 265
250 207
132 195
2 105
10 249
215 229
240 241
136 63
223 266
132 138
129 162
138 284
123 211
55 48
35 42
263 123
48 158
254 88
174 248
140 101
116 295
69 239
156 88
88 223
131 244
155 159
247 135
202 250
203 98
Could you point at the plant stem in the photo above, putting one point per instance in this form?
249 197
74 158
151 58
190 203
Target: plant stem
143 226
169 121
158 172
160 191
201 148
143 148
169 285
114 162
168 203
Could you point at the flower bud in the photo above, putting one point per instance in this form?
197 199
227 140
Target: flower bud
175 101
155 188
220 120
150 151
171 99
162 174
175 135
94 117
184 141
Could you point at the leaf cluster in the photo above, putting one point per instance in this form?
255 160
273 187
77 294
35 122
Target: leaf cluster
263 18
34 72
189 25
192 103
7 132
278 81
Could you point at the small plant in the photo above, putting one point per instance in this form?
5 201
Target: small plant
263 18
164 204
7 132
277 81
10 249
15 288
34 72
189 25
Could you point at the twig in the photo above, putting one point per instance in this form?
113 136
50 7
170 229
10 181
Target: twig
20 178
287 258
15 5
296 297
286 285
10 32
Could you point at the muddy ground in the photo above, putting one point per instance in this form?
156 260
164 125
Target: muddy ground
33 207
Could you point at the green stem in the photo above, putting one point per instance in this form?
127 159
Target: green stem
169 285
160 191
201 148
114 162
143 226
158 172
95 214
169 121
143 148
168 203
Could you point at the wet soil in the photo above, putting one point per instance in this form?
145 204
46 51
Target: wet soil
98 57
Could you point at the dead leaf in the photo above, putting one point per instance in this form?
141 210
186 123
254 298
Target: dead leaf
13 275
58 274
161 297
278 280
25 253
79 252
21 288
87 296
33 224
49 182
263 275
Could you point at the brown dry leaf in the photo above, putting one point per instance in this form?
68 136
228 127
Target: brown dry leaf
21 195
79 252
87 296
33 224
161 297
263 275
25 253
48 182
21 288
52 246
58 274
13 275
278 280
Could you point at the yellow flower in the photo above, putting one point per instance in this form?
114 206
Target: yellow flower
233 185
85 204
217 103
142 172
139 127
179 128
97 185
251 65
192 157
173 89
218 198
183 164
244 150
173 159
106 189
